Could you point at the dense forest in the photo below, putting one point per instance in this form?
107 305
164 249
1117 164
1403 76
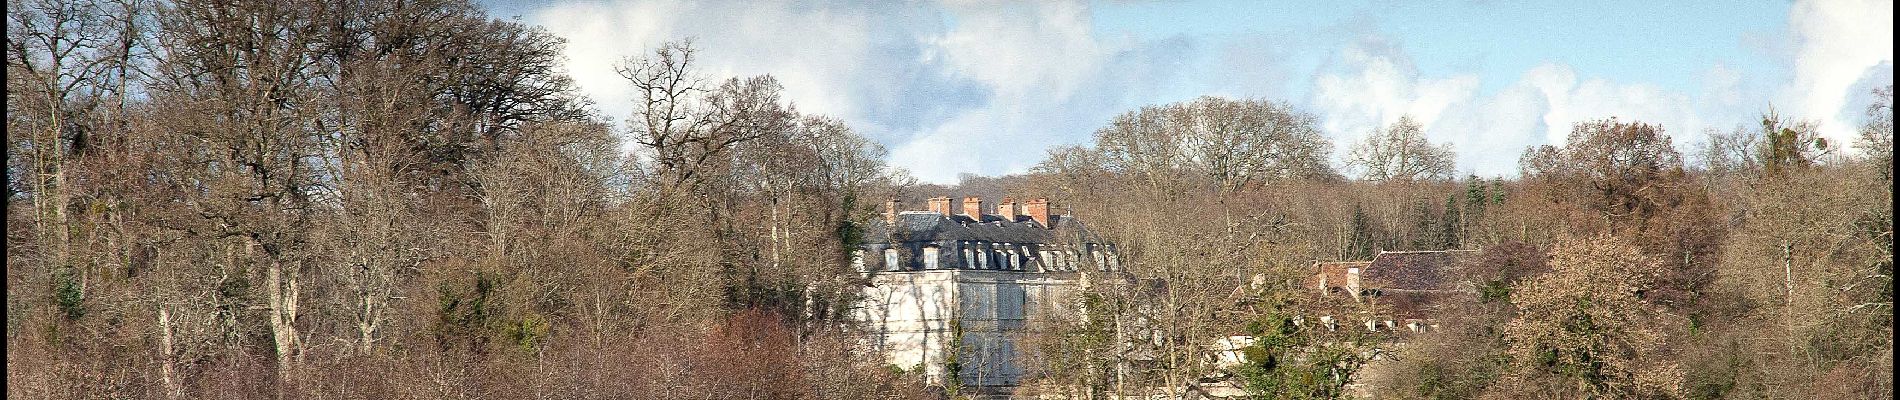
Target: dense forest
374 199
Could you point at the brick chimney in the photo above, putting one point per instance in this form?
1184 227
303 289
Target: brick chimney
1352 283
1038 209
940 205
973 207
890 211
1007 209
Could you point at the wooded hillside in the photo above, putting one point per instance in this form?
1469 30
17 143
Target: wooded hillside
396 199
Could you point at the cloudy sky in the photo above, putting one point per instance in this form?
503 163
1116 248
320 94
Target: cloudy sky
986 87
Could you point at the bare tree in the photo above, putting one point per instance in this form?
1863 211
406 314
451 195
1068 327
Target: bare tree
1233 144
1400 152
1584 330
1876 134
239 84
1625 171
1731 154
1814 254
687 124
1786 145
66 64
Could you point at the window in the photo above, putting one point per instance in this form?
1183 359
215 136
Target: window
1010 302
890 260
969 255
930 257
857 260
1009 258
982 257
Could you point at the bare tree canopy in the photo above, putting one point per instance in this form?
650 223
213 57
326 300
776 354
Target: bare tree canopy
1626 169
1234 143
1400 152
1876 134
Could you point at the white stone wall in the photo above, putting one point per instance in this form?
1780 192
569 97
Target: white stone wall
909 314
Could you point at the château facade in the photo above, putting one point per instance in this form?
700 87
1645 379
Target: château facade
953 289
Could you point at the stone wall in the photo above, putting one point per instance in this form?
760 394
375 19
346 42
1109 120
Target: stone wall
914 317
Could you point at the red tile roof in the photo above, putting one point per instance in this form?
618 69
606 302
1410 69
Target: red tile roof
1334 272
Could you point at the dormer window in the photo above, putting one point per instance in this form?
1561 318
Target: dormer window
1010 262
890 260
930 257
857 260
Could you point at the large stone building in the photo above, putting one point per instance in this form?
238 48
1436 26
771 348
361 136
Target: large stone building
954 288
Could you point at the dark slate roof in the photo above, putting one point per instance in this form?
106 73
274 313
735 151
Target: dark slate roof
1412 270
925 226
1406 304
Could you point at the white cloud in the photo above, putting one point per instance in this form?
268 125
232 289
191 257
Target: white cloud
942 85
959 87
1047 49
812 50
1493 131
1376 82
1378 85
1571 102
1837 43
1032 58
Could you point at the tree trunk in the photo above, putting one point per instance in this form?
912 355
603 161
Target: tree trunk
1787 271
367 325
1170 380
165 376
281 289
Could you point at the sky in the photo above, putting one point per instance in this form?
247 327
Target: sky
951 87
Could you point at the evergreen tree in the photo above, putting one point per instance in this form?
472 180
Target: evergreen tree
1425 227
1449 224
1361 245
1497 191
1475 197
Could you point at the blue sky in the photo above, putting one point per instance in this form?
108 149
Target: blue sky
986 87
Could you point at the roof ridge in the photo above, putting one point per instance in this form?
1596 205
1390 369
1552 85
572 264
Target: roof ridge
1422 251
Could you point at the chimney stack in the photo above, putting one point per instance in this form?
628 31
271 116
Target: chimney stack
940 205
890 211
973 207
1007 209
1038 209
